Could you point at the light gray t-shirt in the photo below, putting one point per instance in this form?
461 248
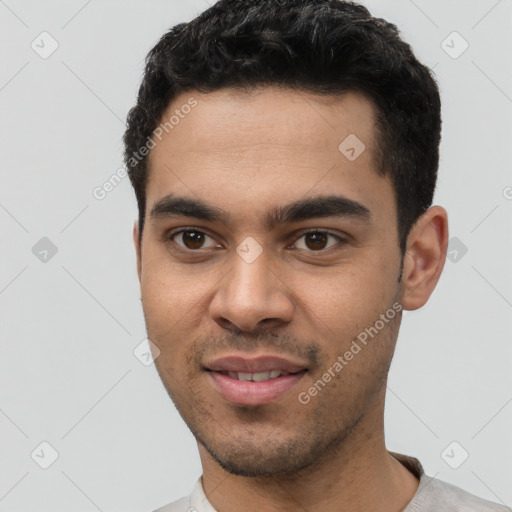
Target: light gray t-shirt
433 495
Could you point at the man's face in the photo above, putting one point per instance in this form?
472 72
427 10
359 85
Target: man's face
245 287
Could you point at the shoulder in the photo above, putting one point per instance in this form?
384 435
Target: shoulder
185 504
434 495
181 505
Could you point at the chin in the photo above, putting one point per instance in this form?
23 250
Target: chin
265 468
267 460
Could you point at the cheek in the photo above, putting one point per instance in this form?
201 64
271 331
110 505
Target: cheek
168 307
168 292
346 299
175 302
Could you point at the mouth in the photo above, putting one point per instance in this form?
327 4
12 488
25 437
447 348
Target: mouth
257 376
240 363
255 381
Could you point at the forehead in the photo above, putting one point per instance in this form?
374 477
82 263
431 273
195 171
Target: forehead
269 144
230 120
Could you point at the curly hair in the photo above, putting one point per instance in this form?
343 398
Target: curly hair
320 46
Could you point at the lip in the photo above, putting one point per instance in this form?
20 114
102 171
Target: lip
249 393
261 363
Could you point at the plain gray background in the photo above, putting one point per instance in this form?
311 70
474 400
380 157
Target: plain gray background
70 321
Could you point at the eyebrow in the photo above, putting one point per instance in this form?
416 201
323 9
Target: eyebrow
303 209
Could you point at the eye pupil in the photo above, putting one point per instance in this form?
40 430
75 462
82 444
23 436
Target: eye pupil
317 237
196 239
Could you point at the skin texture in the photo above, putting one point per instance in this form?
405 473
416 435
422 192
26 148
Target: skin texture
248 153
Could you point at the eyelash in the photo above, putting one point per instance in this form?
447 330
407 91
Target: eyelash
171 235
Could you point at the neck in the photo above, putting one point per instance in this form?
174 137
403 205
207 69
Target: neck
358 475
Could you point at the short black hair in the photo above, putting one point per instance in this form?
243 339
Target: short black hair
319 46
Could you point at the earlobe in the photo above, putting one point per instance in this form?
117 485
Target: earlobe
136 243
425 257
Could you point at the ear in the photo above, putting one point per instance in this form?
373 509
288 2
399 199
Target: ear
136 243
425 256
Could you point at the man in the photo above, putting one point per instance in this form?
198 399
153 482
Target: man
284 157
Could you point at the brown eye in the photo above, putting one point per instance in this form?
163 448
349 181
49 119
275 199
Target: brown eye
193 239
190 239
318 240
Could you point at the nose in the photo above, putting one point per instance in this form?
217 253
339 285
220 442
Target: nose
251 296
